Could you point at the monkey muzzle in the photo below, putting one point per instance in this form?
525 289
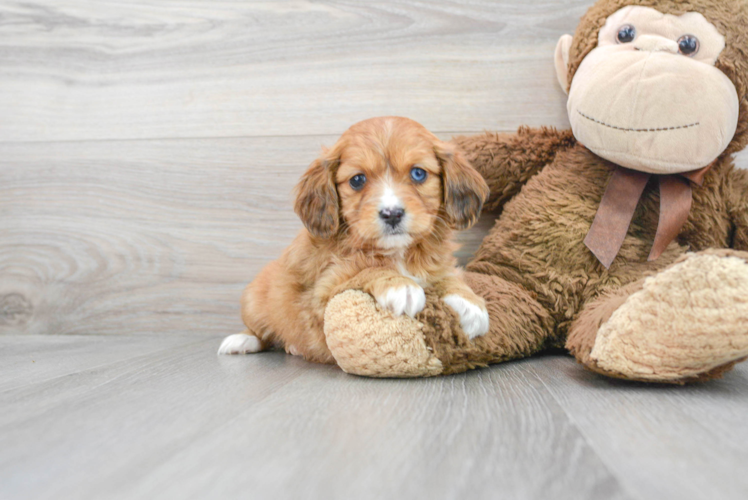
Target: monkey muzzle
651 110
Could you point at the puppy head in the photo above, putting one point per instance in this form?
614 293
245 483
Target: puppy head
392 182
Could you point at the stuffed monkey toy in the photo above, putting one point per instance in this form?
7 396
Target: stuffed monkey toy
624 239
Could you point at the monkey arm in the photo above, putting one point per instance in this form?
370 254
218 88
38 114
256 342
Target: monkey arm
508 160
737 206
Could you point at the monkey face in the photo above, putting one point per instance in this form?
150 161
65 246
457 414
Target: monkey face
649 97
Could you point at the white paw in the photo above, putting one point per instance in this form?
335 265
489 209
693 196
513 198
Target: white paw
408 299
240 343
473 319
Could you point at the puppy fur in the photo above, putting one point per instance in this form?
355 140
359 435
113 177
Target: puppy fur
347 231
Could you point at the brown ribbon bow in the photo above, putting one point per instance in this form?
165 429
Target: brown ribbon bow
618 205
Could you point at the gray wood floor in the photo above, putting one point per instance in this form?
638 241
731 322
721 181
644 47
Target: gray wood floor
164 417
147 156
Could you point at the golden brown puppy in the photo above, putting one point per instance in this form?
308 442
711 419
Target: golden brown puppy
384 199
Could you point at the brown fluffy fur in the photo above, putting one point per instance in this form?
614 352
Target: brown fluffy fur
542 286
343 239
537 243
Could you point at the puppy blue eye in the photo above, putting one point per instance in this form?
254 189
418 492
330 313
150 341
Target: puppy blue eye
357 181
418 174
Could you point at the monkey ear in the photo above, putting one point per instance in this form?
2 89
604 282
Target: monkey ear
464 188
562 61
317 197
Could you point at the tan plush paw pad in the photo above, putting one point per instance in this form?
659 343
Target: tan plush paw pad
685 321
367 340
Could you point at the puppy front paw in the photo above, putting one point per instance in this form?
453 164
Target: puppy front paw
408 299
473 318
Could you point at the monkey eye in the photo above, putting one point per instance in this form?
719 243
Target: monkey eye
418 174
688 45
357 182
626 33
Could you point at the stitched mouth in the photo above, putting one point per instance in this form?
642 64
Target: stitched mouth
623 129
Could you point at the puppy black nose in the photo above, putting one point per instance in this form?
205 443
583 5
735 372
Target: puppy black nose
391 216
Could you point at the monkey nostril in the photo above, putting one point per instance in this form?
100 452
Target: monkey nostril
391 216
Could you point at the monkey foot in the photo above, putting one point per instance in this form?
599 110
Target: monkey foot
687 323
367 340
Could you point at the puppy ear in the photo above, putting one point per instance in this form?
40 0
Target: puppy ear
464 188
317 197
